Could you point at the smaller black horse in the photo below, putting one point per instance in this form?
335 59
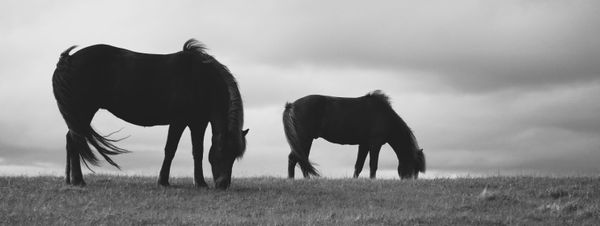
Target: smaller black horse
368 121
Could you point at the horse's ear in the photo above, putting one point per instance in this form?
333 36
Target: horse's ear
421 161
244 132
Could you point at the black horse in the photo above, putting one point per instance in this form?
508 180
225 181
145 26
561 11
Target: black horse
368 121
185 89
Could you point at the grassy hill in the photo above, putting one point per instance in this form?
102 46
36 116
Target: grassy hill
116 200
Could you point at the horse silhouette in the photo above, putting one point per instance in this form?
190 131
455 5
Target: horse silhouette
189 88
368 121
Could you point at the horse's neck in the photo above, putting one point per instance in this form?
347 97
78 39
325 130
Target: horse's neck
398 143
218 123
219 111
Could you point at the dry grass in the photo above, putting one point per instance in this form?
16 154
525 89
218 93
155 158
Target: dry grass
274 201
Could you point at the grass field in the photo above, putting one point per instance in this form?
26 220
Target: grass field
115 200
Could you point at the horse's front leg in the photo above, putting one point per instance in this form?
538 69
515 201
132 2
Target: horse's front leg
175 131
197 131
373 159
363 150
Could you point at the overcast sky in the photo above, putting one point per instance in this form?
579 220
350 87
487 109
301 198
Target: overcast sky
487 86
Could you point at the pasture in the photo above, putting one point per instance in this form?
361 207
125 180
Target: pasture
120 200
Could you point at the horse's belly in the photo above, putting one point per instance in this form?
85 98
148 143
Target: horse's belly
341 141
142 117
342 138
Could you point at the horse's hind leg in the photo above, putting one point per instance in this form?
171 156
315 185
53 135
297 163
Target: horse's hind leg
373 159
363 150
68 167
175 131
303 148
74 174
197 130
291 165
306 145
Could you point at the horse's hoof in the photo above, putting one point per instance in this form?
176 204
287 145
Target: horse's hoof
201 185
78 183
164 183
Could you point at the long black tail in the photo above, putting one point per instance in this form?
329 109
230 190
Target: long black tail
71 101
291 133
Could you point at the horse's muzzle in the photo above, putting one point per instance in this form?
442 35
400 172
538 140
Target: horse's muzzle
222 182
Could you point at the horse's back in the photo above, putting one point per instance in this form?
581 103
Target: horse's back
106 60
143 89
356 121
345 120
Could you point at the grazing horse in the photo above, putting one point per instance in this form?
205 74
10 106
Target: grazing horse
368 121
189 88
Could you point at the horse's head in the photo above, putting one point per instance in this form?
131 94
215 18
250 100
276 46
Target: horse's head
410 168
223 152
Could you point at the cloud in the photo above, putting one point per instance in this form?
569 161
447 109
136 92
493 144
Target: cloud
469 45
510 129
472 46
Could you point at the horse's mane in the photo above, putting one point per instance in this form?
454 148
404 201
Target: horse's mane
236 109
378 94
194 45
412 140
